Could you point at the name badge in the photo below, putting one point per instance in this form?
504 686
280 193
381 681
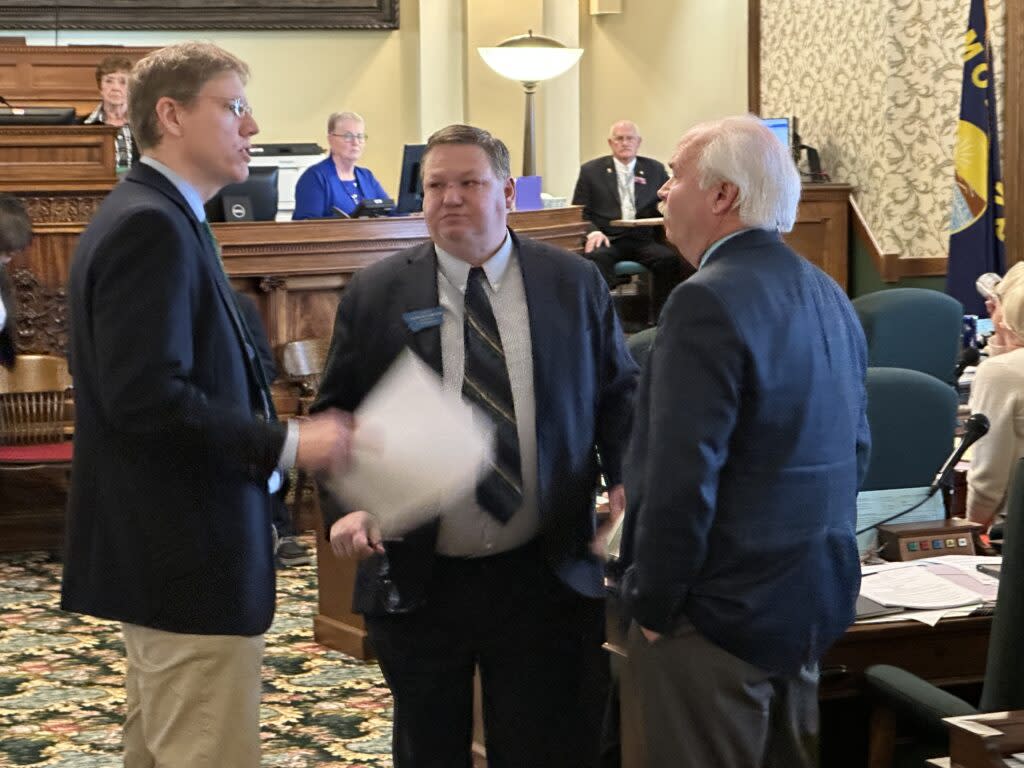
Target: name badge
419 319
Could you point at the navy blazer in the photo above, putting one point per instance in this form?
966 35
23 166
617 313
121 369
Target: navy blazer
750 442
169 513
597 190
318 191
584 379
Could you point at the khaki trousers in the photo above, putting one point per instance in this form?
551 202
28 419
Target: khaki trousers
193 701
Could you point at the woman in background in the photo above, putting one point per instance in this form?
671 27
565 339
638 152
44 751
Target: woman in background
15 236
112 80
336 183
998 392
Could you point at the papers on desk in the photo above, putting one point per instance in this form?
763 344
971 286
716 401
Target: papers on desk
413 447
930 588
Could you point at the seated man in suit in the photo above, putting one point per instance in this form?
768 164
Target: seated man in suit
624 185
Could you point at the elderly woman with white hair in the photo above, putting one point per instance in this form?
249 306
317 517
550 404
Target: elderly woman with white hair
998 392
336 185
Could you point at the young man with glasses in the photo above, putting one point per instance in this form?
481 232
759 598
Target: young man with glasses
336 185
178 452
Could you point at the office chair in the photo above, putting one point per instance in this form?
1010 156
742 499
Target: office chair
904 698
913 328
640 344
912 416
632 270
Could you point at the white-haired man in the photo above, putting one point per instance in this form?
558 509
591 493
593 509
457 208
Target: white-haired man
750 440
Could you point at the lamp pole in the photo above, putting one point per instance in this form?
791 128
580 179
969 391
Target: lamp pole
529 150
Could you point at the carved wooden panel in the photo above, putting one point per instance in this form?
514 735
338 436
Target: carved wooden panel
42 316
65 158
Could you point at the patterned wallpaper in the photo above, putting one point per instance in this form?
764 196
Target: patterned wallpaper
876 87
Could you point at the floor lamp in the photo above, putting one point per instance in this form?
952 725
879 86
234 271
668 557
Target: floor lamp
530 59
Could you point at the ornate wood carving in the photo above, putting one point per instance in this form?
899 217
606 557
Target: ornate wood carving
201 14
42 316
62 209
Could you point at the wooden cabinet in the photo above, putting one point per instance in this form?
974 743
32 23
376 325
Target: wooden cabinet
821 234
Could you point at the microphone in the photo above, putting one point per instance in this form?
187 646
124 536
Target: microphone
968 356
6 103
974 429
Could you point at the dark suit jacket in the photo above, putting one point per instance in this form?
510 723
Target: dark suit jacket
169 514
583 385
597 190
750 442
9 333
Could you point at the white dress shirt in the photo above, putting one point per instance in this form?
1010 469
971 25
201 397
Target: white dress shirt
624 173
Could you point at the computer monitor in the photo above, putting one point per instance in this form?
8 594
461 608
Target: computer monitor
254 199
410 184
781 127
37 116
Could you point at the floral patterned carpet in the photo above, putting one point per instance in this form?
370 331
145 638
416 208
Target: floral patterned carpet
62 693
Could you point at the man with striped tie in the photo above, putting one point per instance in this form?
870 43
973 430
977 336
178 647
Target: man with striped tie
503 579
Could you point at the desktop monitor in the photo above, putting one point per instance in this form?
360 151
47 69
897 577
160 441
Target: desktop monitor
37 115
781 127
410 185
254 199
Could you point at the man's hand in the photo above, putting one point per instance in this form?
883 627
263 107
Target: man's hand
356 535
616 506
595 239
651 635
325 441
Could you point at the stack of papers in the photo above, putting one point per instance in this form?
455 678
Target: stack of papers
930 588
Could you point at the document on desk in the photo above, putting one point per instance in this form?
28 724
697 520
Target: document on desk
916 588
413 446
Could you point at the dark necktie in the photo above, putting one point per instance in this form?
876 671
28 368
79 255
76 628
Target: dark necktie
486 384
256 365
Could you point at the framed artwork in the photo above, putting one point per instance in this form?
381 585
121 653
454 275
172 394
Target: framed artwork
198 14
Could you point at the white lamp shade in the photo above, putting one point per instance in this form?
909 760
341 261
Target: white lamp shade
530 64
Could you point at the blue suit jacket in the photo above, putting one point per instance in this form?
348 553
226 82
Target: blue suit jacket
584 379
319 191
750 441
169 513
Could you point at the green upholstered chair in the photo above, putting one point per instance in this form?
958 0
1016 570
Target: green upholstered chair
912 416
907 702
912 328
630 271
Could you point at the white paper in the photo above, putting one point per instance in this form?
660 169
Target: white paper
413 445
916 588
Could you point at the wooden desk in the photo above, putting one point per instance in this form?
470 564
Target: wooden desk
821 231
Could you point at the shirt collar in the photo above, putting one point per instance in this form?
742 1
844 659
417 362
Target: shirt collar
624 167
456 271
96 116
195 202
720 242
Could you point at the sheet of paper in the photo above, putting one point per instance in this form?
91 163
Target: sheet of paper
413 446
916 588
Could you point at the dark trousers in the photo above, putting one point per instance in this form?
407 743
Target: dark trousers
701 706
538 647
662 260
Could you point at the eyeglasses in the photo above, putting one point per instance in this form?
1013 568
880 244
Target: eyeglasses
625 139
238 106
347 136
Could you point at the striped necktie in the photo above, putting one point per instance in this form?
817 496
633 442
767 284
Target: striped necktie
486 384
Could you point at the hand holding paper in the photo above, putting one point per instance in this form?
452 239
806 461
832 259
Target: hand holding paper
414 446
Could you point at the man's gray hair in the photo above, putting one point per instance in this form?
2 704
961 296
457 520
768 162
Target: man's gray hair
742 151
337 117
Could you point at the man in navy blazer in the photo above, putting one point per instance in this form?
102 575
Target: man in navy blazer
749 444
177 448
624 185
520 597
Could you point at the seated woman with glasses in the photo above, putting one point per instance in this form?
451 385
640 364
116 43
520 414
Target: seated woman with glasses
336 184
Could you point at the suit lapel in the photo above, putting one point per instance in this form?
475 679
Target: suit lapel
419 291
644 193
611 180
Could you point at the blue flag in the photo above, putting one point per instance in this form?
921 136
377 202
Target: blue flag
976 241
